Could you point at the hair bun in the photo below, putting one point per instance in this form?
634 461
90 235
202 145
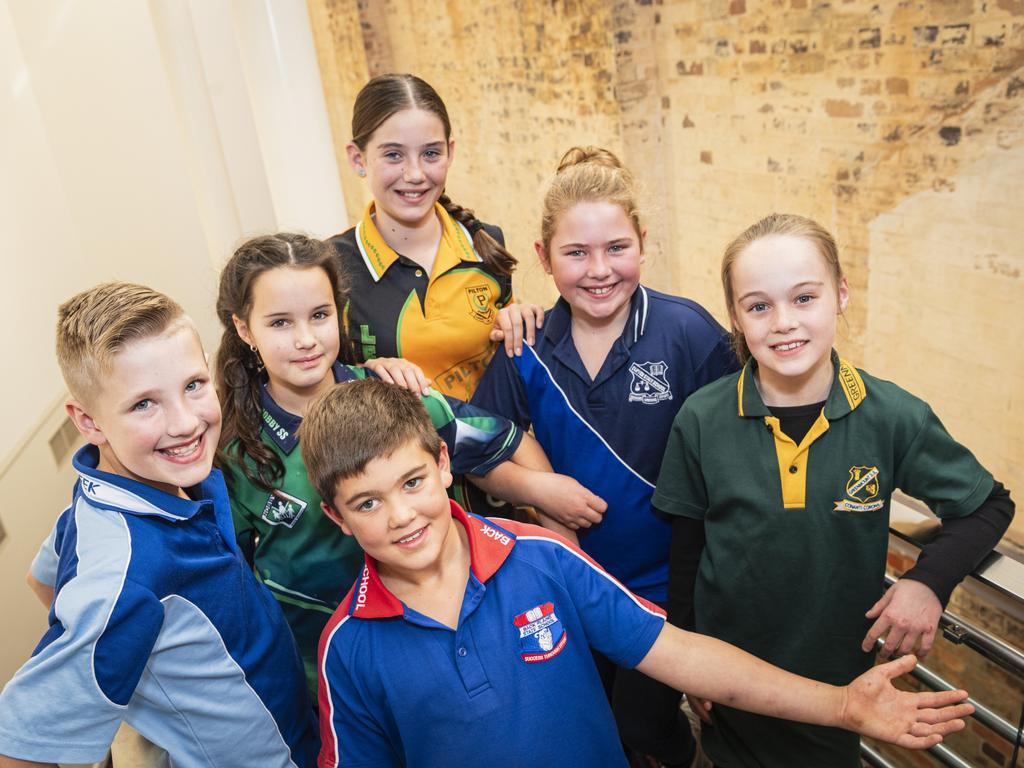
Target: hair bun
590 154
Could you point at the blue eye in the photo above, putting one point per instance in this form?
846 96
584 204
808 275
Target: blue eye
804 298
193 385
413 483
432 154
393 156
142 405
758 307
367 505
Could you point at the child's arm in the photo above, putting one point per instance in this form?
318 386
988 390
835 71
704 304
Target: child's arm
516 323
43 591
10 762
909 611
870 705
528 479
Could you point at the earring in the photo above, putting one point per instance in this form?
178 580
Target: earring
259 359
361 171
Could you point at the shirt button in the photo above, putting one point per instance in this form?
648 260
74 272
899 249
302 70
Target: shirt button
793 470
419 273
463 651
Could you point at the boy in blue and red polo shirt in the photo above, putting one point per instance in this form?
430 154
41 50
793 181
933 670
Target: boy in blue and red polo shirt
458 621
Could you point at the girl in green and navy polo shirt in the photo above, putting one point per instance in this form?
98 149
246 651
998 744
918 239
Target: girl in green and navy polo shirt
781 477
278 303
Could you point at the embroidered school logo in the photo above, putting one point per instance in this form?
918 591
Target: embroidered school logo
283 509
480 304
861 488
649 385
541 634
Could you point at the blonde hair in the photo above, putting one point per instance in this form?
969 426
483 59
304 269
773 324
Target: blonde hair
589 175
775 224
94 325
353 423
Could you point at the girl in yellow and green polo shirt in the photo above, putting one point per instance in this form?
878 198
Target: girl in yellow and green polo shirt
781 477
426 278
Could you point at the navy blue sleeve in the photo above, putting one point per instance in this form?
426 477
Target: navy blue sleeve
501 390
477 440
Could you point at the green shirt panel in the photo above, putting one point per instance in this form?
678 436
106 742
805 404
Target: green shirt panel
792 585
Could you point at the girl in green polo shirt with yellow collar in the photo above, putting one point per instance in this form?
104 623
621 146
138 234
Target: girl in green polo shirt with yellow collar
781 477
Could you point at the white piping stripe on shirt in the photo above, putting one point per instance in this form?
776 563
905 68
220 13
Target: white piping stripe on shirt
362 252
584 421
327 685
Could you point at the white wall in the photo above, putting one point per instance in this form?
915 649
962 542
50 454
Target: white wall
138 141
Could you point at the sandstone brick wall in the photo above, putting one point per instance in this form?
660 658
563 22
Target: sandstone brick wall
898 124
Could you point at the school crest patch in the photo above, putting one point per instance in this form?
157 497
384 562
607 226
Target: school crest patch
541 634
283 509
861 490
649 384
480 303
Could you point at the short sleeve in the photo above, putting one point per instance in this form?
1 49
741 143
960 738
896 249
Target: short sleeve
681 489
44 564
478 440
67 702
938 470
501 391
619 625
350 735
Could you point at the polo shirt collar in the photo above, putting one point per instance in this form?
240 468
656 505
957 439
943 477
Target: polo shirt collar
846 393
559 320
489 547
123 494
456 244
281 426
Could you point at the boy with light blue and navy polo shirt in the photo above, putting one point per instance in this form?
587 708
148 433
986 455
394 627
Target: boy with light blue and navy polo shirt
156 619
468 641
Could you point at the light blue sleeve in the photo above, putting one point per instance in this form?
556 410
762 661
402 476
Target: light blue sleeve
44 564
55 709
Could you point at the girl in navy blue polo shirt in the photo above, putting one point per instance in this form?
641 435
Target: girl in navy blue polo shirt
600 387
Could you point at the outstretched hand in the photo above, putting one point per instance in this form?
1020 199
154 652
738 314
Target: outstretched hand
907 614
516 323
873 707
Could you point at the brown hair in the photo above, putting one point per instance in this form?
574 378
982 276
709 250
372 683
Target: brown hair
589 175
239 368
94 325
385 95
775 224
353 423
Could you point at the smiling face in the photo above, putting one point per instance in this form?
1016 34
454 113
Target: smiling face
406 163
293 323
786 305
155 418
398 510
594 257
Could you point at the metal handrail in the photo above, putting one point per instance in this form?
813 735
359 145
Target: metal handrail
913 523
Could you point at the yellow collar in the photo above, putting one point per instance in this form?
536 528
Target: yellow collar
455 247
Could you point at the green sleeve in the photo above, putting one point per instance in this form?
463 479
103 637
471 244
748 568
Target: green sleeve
935 468
681 489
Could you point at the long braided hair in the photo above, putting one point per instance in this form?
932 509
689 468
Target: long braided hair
239 368
385 95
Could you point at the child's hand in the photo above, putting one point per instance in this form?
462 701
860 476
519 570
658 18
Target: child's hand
514 322
909 611
701 708
398 370
873 707
564 500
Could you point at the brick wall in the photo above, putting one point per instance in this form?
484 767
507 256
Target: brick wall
898 125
